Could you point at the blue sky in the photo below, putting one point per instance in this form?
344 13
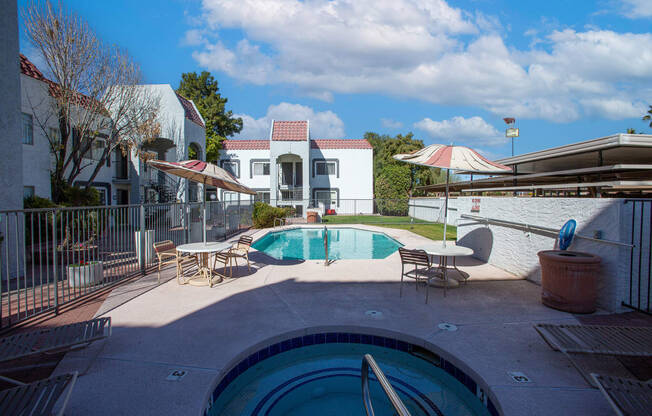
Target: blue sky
448 71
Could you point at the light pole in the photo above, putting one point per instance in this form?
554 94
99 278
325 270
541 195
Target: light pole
511 131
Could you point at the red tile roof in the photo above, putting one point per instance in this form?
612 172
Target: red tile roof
29 69
290 130
189 110
340 144
245 144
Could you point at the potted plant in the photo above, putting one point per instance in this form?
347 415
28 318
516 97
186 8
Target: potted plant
85 273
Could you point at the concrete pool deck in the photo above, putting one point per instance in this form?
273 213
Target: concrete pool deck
159 329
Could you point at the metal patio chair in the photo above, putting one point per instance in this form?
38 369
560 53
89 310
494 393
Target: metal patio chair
52 340
627 396
421 262
38 398
166 252
241 250
597 339
221 259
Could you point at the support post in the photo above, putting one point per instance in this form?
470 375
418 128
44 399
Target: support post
54 262
448 173
142 258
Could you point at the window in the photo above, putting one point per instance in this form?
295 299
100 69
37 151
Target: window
231 166
230 196
28 129
28 191
262 196
54 135
326 168
260 168
97 150
327 196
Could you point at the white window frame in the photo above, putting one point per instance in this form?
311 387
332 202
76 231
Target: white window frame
326 163
96 150
27 123
229 196
332 194
253 168
259 196
236 167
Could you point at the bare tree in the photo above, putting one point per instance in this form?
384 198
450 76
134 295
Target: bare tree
95 94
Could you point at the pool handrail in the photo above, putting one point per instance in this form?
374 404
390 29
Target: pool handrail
369 362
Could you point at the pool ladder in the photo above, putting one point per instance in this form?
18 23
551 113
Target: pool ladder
369 362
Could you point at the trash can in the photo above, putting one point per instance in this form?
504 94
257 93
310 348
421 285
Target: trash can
569 280
312 216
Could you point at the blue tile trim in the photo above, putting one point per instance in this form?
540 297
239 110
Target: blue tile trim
341 337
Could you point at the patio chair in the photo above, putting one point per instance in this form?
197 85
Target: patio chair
627 396
418 258
241 250
167 253
38 398
222 258
597 339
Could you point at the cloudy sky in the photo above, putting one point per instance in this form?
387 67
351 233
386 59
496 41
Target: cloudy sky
448 71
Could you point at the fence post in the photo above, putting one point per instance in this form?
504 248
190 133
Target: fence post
54 262
355 207
143 249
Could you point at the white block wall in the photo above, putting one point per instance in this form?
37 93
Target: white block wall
515 249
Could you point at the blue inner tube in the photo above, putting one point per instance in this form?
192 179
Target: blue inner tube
566 234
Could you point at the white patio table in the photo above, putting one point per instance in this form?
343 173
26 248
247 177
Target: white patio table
444 252
204 276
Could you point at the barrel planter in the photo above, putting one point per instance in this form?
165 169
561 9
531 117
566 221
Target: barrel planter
85 274
569 280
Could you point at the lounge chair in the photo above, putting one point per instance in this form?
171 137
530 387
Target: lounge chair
53 340
241 250
597 339
417 258
38 398
167 253
627 396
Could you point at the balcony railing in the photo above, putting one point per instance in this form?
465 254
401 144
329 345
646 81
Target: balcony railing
291 194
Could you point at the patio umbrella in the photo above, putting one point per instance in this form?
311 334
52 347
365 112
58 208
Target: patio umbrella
204 173
456 158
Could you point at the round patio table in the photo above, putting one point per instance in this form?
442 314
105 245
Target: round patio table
204 276
444 252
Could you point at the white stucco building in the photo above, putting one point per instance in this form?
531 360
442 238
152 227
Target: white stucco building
124 178
292 169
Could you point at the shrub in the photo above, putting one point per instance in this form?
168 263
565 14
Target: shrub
36 202
392 188
265 214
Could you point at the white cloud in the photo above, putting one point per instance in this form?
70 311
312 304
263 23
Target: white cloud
614 109
428 50
323 124
390 124
636 9
459 130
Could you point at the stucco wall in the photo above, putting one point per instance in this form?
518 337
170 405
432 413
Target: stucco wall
11 169
515 249
246 177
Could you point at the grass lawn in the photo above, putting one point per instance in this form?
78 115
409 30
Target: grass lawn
434 231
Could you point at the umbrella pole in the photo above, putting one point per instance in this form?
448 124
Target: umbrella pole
204 212
448 172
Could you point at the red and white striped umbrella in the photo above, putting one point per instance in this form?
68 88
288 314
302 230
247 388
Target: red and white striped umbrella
205 173
460 158
202 172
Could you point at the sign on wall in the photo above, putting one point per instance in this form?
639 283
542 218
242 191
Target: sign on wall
475 205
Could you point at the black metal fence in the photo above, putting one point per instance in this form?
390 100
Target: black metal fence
51 257
637 295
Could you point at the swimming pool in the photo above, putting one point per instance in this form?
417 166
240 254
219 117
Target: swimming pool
343 243
319 375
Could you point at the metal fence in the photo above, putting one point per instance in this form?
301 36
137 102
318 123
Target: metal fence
392 211
51 257
637 294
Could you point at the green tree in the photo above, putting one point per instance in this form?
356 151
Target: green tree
631 131
385 147
203 90
648 116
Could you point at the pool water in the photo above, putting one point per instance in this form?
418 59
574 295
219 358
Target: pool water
324 379
343 243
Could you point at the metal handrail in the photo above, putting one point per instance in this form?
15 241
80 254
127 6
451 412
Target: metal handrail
281 221
540 228
369 362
